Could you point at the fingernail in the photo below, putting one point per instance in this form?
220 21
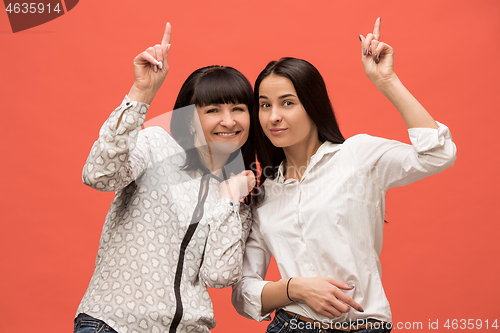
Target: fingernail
156 61
160 64
351 285
360 37
155 68
376 59
168 47
360 309
364 52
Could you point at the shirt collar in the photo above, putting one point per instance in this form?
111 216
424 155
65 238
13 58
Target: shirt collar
326 148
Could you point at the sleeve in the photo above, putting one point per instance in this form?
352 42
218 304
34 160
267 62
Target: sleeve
246 296
229 229
120 154
391 163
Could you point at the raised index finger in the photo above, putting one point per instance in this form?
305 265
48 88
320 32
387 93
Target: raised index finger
167 35
376 29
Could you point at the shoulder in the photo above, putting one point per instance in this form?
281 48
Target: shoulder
158 137
365 143
361 139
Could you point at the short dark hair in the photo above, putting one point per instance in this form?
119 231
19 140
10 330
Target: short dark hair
205 86
312 93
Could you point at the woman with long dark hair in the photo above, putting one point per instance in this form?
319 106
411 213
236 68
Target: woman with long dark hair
176 224
322 199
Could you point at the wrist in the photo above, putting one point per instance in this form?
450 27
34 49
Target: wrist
224 193
140 95
387 84
293 289
287 288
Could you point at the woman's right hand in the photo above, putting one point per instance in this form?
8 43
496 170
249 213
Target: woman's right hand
324 295
238 186
150 70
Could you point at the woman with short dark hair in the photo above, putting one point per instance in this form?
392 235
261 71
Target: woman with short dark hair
322 198
176 224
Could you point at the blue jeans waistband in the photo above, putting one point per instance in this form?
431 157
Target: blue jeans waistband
87 324
294 323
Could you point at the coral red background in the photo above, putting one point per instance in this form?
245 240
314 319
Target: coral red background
59 82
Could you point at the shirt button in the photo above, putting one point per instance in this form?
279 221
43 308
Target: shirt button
128 103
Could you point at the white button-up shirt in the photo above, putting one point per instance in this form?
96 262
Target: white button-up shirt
330 223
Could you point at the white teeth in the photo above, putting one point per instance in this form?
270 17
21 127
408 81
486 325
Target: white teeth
226 134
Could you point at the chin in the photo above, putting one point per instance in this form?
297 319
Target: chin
223 147
279 143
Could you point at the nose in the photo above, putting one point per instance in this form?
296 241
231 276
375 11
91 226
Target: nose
228 119
275 116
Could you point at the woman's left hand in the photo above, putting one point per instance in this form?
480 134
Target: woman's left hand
377 57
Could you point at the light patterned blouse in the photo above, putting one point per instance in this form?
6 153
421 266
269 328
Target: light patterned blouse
167 235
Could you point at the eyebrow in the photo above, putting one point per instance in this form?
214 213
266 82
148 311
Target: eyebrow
219 104
281 97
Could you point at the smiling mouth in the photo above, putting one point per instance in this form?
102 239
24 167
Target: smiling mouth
227 133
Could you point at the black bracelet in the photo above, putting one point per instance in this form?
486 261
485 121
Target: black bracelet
287 284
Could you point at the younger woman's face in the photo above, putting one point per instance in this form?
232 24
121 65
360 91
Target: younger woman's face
281 114
225 126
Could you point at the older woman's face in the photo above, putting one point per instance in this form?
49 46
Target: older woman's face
225 126
281 114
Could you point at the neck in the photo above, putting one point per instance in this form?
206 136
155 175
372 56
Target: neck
299 156
213 161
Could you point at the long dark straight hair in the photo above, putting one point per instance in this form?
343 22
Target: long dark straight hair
205 86
312 93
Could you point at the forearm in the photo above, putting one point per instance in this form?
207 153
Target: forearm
137 95
413 113
229 229
143 96
108 166
274 296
